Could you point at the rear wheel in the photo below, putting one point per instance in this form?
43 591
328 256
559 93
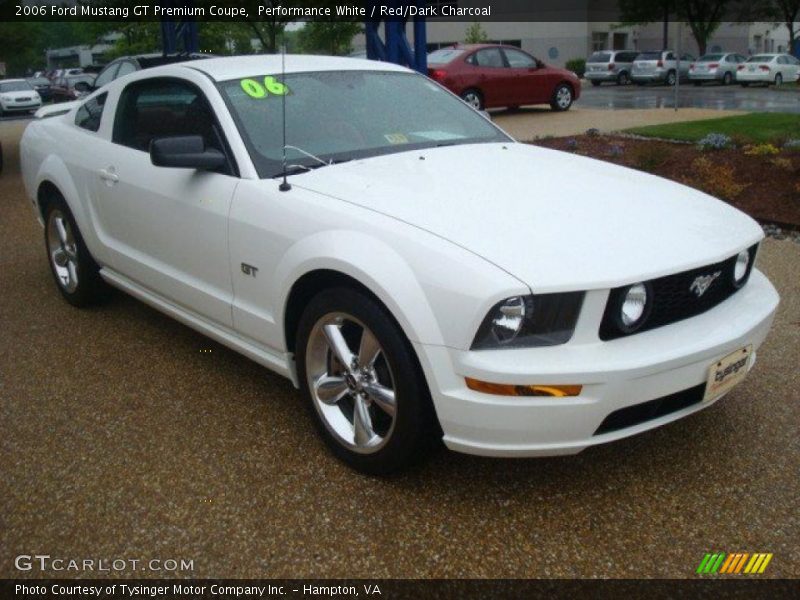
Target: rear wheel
74 270
361 378
778 80
473 98
623 79
562 97
727 78
671 78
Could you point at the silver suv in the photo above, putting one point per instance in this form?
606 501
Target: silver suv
660 67
610 65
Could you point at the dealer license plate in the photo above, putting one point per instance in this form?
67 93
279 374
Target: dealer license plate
726 373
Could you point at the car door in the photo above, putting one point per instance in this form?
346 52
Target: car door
166 228
530 83
489 74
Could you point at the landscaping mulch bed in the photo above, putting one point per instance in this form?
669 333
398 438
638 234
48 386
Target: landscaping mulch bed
765 187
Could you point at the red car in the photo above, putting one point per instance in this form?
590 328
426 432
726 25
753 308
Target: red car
490 75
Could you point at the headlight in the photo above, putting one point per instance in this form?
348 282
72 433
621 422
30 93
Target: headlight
634 304
741 268
528 321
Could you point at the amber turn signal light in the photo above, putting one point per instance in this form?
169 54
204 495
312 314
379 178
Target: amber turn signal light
505 389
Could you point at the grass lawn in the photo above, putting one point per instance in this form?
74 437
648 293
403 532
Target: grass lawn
752 128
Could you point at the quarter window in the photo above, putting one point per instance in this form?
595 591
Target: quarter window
125 68
91 112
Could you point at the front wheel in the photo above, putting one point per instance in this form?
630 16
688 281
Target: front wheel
562 98
74 270
360 376
727 79
623 79
778 80
473 98
671 78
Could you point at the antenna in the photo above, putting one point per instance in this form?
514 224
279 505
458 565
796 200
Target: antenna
284 186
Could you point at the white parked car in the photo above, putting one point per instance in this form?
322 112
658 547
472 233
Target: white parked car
18 95
769 68
418 273
720 67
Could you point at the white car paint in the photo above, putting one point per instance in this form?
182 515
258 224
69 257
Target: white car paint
439 241
768 68
20 100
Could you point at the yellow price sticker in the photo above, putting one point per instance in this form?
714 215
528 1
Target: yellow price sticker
257 90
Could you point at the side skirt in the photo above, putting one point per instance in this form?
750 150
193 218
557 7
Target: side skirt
281 363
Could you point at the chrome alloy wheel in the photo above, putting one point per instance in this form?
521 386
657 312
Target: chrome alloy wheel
63 250
473 99
563 97
353 392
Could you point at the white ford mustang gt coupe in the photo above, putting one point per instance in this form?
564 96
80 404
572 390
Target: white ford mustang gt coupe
414 270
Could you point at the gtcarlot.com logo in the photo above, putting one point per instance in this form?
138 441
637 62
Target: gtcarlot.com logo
736 563
45 562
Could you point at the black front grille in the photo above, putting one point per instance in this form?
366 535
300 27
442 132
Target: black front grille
673 297
652 409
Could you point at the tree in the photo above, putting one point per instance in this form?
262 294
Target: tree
475 34
268 28
787 11
332 38
703 16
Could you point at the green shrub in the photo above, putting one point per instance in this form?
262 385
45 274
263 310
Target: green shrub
577 66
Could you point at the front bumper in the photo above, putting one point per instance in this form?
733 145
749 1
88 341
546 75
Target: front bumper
12 106
615 374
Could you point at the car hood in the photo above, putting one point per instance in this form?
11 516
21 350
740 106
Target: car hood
20 94
554 220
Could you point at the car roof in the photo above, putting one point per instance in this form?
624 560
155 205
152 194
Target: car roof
235 67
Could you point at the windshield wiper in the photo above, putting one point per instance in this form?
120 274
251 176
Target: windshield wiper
297 169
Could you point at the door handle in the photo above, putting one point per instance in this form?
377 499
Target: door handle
108 175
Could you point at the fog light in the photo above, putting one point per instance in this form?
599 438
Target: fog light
740 268
505 389
633 307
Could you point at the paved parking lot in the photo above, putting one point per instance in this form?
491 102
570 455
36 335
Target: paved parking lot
707 96
124 434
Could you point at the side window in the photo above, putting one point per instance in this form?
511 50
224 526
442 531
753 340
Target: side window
669 56
125 68
519 60
107 75
488 57
162 108
687 57
89 115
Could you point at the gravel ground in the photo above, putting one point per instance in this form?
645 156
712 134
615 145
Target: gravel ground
124 434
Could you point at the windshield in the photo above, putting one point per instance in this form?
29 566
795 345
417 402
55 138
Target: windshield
342 115
760 58
444 55
15 86
599 57
710 58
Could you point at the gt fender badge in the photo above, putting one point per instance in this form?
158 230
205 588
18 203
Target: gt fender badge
249 270
701 283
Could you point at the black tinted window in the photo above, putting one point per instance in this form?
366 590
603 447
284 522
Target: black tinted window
163 108
89 115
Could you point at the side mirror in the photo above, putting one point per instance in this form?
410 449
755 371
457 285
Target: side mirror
539 64
185 152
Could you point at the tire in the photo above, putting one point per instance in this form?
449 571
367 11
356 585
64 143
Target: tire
671 79
473 97
778 80
595 83
727 79
563 97
353 412
75 272
623 78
